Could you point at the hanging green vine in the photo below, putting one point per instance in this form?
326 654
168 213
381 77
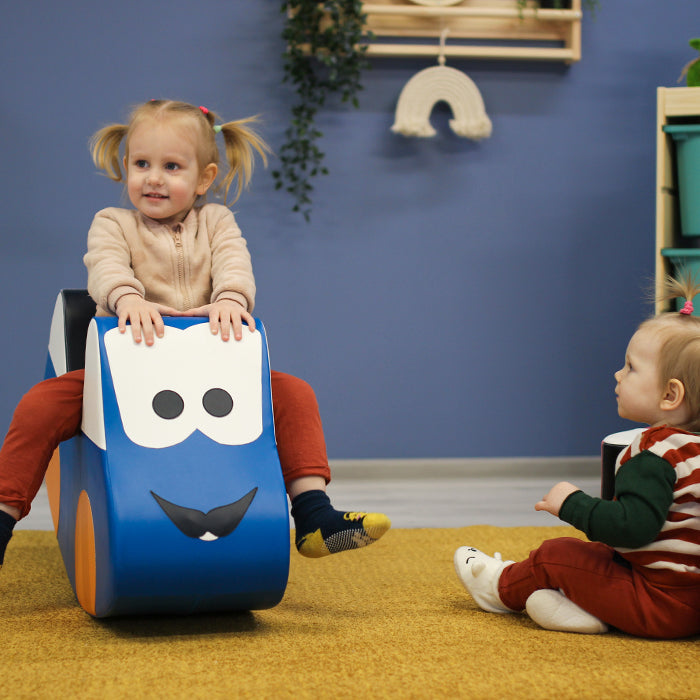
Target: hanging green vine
325 53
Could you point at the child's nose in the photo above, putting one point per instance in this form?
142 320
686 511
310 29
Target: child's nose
154 177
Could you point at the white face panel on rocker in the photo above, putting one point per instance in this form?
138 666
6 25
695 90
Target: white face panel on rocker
188 380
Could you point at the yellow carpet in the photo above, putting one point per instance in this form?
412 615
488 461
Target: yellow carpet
389 621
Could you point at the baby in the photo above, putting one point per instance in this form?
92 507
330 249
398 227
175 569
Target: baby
640 573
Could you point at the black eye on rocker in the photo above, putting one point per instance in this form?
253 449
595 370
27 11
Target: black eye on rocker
217 403
168 404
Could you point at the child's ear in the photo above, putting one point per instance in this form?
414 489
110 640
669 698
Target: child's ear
673 396
207 177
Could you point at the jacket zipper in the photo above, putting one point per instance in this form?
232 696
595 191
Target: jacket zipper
180 256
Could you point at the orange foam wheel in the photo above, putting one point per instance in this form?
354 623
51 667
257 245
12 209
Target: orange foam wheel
85 567
53 488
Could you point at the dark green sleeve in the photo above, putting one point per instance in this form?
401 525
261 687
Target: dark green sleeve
643 495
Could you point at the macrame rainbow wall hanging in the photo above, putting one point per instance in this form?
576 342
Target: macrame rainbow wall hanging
441 84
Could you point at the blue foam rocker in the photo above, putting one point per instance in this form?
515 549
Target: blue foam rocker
171 500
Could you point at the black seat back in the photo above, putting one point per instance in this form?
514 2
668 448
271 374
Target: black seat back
78 311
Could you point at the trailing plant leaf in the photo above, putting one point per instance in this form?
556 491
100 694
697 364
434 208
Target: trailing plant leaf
325 53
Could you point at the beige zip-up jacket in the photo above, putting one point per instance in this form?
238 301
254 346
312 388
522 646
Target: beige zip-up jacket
197 262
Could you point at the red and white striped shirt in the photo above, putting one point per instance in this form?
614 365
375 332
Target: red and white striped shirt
677 546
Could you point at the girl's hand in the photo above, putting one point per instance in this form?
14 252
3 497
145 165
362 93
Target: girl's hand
225 314
553 501
144 316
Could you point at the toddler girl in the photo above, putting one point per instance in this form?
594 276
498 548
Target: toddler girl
640 572
174 255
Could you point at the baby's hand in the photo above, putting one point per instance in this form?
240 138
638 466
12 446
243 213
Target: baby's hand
553 501
225 314
144 316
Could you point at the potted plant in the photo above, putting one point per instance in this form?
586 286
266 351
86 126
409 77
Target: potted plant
325 53
691 70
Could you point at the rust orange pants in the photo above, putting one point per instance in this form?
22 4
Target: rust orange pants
51 412
659 603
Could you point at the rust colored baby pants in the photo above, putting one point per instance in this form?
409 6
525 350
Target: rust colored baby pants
655 603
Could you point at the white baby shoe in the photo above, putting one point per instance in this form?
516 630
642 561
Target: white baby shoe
479 573
554 611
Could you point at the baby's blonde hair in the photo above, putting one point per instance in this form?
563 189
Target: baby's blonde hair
241 141
679 353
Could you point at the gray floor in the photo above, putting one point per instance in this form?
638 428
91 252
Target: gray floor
436 493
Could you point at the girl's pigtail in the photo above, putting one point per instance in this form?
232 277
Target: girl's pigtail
241 143
685 286
104 147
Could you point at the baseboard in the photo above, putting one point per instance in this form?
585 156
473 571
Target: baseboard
559 468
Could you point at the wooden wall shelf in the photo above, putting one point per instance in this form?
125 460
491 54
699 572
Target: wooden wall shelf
673 105
488 29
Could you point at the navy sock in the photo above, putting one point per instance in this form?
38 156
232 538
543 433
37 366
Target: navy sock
7 524
323 530
308 509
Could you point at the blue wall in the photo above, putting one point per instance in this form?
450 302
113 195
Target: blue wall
448 298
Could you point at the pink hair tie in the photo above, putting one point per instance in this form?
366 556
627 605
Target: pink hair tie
205 112
687 308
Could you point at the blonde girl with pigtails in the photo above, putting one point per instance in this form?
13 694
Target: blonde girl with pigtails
640 571
175 254
241 142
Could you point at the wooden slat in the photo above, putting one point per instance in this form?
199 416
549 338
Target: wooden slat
681 101
409 10
489 52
